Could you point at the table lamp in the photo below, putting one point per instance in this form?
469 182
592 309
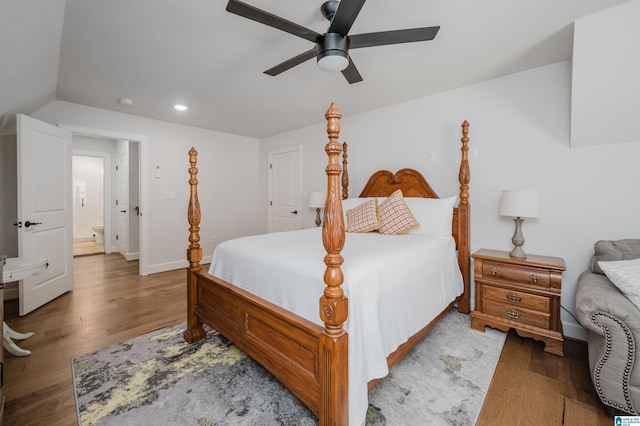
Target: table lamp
316 201
519 204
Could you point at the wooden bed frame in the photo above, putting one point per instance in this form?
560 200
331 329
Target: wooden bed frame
310 360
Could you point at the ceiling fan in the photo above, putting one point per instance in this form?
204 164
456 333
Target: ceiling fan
331 48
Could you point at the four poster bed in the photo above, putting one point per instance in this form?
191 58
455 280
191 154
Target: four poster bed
275 321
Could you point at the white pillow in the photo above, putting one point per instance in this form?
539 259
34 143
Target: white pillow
435 215
625 274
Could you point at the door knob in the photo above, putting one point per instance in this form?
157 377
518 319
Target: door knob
294 212
28 224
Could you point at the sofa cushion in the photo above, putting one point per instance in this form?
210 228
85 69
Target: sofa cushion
609 250
624 274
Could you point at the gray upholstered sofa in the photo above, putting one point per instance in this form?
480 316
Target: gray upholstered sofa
613 325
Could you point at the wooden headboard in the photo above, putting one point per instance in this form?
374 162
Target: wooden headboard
383 183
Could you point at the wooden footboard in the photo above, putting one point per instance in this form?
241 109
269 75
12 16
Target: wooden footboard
285 344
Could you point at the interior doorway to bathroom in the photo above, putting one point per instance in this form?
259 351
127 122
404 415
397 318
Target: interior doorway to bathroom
106 179
109 144
88 204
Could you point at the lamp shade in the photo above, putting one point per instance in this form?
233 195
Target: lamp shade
519 203
317 200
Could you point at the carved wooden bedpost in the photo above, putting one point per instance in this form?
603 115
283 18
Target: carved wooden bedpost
464 177
345 172
194 331
334 404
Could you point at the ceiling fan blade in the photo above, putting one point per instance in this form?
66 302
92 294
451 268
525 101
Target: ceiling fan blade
351 73
266 18
392 37
297 60
346 14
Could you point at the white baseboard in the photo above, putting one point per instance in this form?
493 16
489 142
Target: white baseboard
132 256
171 266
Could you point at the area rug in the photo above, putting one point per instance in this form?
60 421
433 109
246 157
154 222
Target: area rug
158 379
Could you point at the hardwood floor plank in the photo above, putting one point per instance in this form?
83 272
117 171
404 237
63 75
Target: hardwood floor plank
543 363
506 384
542 404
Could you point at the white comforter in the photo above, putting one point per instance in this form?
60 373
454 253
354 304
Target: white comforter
396 284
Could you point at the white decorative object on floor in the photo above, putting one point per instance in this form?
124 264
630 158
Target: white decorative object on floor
15 269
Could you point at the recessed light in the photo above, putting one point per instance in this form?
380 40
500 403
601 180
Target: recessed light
180 107
125 101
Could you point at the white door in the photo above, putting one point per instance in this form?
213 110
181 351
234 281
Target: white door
122 202
285 185
45 209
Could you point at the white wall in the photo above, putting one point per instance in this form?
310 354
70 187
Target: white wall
606 83
519 126
229 179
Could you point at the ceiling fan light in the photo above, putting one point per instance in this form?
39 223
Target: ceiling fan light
333 61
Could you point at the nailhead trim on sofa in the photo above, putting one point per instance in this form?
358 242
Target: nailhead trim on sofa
629 408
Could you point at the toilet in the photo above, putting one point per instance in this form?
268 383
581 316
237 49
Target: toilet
99 231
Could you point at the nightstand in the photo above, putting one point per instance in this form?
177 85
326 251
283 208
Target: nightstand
523 294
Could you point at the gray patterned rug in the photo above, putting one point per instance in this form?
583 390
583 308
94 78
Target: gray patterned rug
158 379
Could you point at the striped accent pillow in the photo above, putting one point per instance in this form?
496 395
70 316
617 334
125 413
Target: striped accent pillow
364 218
395 216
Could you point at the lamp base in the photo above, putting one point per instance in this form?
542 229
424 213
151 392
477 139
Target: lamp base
518 252
318 217
518 240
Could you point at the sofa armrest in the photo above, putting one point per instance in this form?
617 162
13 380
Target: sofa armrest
595 293
613 323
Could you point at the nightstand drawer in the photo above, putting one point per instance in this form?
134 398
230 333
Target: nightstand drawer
515 273
517 314
516 298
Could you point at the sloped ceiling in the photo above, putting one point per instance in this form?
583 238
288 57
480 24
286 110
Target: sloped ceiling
30 35
162 52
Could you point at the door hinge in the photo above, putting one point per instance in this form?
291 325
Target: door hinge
270 166
116 202
270 203
116 168
116 238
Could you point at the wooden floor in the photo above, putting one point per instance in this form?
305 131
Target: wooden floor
111 303
83 248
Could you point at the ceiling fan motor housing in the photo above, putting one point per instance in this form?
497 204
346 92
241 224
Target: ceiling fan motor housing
332 44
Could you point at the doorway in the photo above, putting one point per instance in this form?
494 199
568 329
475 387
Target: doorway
110 143
285 187
88 194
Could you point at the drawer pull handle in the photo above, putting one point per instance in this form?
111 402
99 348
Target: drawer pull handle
494 271
534 278
513 314
513 298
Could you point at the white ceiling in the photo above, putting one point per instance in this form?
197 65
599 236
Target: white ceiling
162 52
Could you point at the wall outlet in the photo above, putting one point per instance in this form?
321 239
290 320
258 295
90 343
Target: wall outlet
473 152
